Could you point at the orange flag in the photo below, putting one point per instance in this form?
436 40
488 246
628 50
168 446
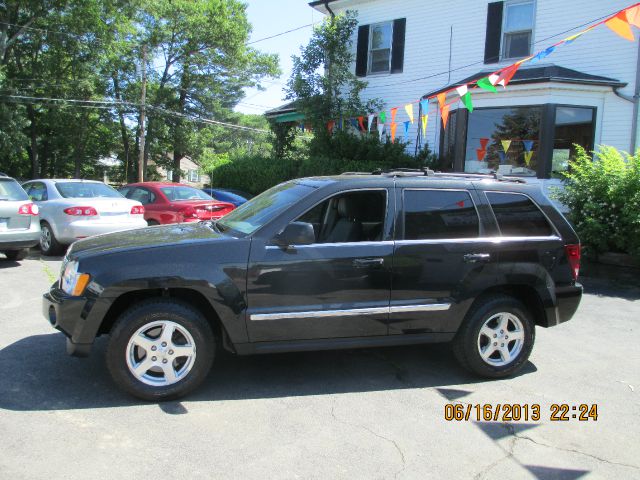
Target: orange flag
505 76
480 153
442 97
444 113
620 25
393 114
633 15
393 130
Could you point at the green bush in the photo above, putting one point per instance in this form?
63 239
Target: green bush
253 174
603 195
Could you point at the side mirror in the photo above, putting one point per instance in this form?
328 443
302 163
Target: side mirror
296 233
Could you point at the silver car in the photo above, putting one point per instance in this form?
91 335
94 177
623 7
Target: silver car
75 209
19 223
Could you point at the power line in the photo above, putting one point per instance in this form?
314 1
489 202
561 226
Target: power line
280 34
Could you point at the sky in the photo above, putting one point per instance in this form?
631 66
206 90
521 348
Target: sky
270 17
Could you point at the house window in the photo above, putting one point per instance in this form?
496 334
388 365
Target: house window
574 126
503 140
193 176
380 36
517 29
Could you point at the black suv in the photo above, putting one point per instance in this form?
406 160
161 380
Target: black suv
347 261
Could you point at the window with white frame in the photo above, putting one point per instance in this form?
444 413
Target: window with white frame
517 32
380 38
193 176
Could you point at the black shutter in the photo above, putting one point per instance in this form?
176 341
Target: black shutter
494 32
362 56
397 50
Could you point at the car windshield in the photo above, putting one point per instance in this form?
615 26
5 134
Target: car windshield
250 216
11 190
86 190
177 194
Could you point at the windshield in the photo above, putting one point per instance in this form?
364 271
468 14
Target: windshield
250 216
177 194
86 190
11 190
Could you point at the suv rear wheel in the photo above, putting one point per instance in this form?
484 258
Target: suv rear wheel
160 349
496 338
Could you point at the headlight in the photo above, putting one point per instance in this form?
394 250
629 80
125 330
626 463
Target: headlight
72 282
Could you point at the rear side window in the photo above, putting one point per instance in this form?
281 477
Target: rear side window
518 216
438 214
11 190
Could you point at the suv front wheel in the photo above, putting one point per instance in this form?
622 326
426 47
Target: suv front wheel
496 338
160 349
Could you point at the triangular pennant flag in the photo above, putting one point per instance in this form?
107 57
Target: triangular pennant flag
620 25
354 122
406 130
442 98
444 114
425 119
527 144
467 101
507 74
527 158
380 130
505 145
462 90
633 15
409 109
486 84
330 125
480 153
424 106
483 143
393 131
361 123
394 110
370 121
502 156
382 117
570 39
543 54
493 78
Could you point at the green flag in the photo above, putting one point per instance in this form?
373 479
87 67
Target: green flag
466 99
486 84
382 117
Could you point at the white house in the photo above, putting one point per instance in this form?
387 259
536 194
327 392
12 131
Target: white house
585 92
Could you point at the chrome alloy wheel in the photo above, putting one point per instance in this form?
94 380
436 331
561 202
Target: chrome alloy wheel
501 339
45 238
161 353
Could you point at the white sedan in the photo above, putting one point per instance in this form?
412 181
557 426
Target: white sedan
75 209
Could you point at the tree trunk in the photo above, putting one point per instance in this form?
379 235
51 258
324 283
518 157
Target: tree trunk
78 150
33 146
123 130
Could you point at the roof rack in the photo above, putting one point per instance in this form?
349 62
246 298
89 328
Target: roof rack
427 172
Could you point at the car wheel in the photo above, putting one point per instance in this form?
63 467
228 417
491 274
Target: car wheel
496 338
49 245
16 255
152 223
160 349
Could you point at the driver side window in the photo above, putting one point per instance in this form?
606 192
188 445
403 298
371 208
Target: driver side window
349 217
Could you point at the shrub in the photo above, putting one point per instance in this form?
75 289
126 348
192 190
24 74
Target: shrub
603 195
253 174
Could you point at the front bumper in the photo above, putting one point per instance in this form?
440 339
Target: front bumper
70 232
79 318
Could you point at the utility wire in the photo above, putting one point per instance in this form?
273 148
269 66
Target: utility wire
280 34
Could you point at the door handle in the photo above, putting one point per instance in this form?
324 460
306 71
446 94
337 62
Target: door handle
368 262
477 257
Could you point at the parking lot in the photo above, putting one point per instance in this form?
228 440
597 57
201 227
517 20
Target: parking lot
376 413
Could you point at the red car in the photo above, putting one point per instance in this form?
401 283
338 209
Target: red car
167 202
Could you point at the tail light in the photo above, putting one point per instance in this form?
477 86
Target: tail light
28 209
81 211
573 257
137 210
189 212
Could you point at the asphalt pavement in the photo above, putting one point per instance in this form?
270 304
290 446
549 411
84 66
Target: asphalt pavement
373 413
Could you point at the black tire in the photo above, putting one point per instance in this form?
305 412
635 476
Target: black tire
146 313
17 255
49 244
469 340
152 223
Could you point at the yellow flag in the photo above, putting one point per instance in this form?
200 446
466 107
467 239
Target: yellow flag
425 118
409 108
527 157
505 145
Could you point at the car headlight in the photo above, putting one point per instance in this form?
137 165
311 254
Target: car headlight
72 282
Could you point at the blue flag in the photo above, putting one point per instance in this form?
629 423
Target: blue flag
527 144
